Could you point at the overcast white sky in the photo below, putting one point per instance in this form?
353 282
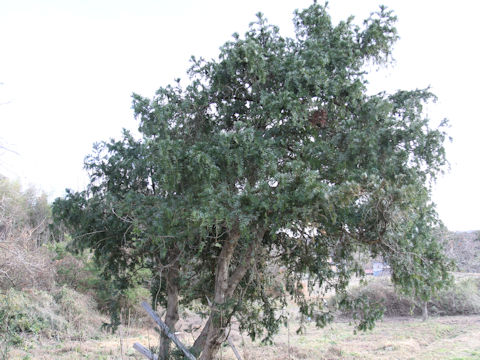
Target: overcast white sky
68 68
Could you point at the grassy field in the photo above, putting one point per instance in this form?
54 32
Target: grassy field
67 326
453 337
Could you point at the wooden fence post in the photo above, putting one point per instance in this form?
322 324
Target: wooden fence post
235 351
166 330
144 351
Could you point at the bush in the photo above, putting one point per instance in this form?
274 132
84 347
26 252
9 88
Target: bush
64 315
8 325
72 270
462 298
122 305
83 274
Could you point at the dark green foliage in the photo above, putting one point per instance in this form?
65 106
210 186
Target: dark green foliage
273 155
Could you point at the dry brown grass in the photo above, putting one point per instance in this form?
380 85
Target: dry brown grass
456 337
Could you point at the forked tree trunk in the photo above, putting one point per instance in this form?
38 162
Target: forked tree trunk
216 320
171 317
213 334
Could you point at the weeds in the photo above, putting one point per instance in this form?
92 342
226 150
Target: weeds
462 298
35 313
6 330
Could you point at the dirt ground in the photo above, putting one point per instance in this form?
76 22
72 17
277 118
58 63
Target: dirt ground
454 338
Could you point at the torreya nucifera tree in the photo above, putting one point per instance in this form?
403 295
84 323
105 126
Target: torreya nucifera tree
273 157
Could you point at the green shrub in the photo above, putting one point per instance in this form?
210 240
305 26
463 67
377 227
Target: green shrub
21 315
8 337
81 272
123 306
71 269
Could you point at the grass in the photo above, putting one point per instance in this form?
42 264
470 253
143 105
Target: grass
455 337
64 325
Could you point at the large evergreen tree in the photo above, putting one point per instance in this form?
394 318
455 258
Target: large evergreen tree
273 162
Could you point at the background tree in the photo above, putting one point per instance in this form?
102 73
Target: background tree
25 217
274 156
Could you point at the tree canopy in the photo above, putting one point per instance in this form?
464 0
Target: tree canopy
272 165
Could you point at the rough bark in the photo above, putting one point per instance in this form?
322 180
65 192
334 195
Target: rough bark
171 316
213 333
200 341
216 320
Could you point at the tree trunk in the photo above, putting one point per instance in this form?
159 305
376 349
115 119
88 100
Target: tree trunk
425 311
200 341
171 317
216 322
214 340
213 334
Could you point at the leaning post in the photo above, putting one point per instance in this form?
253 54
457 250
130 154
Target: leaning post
166 330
